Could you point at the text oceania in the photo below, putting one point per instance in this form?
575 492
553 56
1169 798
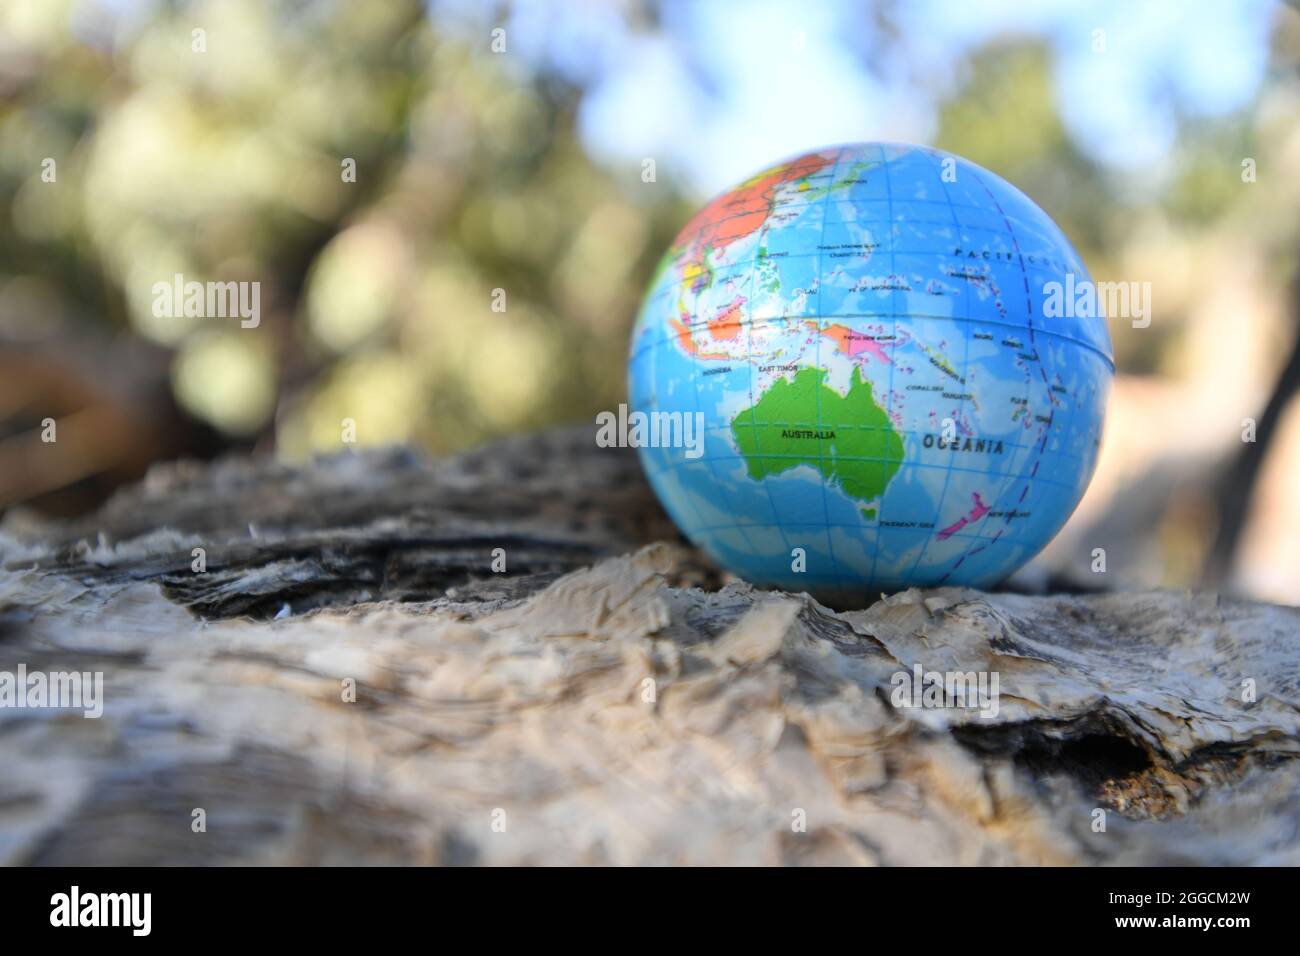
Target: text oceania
986 446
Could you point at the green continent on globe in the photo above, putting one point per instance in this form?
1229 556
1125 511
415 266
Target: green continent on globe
854 445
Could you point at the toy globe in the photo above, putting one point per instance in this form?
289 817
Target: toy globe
862 370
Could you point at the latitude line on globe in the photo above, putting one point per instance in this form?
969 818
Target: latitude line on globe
858 459
777 319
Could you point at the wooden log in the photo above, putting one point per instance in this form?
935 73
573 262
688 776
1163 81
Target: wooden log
349 681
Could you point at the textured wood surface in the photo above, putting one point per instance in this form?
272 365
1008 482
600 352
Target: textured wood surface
608 699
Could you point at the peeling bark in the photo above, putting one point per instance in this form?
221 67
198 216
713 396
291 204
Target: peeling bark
607 699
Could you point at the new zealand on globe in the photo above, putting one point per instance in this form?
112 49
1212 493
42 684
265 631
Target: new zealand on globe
886 401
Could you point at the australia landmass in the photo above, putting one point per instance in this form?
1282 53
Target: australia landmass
848 438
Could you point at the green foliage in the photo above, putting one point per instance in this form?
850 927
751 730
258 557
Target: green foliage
1005 117
377 294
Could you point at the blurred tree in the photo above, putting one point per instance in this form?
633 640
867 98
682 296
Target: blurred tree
229 160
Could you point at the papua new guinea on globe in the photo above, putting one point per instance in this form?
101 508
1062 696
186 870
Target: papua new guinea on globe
885 400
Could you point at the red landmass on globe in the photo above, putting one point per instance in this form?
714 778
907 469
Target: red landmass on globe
977 511
741 212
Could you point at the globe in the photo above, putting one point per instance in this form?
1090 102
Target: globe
863 370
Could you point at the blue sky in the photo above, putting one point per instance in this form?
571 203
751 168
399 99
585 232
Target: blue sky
722 88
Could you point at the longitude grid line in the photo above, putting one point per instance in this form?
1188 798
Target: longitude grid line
961 402
699 518
749 360
1075 407
699 522
1029 323
707 462
1067 429
893 342
817 358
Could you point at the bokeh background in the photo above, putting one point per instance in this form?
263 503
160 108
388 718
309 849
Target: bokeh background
523 169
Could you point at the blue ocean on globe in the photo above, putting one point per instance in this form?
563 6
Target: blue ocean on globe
895 387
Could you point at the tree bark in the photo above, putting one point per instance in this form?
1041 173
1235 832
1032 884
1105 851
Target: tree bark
349 681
